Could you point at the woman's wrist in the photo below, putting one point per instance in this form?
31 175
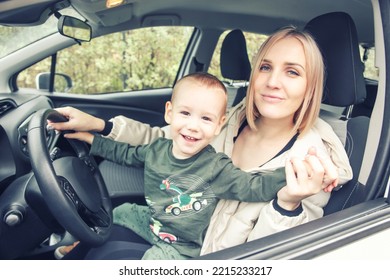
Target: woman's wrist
107 127
288 206
100 125
285 201
290 213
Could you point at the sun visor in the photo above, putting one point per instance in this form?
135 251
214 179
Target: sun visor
160 20
28 13
117 15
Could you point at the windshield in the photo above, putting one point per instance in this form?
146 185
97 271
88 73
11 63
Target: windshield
13 38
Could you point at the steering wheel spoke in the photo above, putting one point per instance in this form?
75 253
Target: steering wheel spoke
98 219
70 193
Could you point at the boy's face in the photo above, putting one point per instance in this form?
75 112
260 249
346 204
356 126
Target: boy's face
196 115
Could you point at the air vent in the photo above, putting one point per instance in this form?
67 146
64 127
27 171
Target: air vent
5 106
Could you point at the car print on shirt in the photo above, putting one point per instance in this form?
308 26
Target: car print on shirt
183 201
165 236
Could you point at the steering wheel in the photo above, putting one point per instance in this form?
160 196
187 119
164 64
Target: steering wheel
72 186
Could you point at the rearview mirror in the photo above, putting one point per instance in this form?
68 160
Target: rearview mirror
74 28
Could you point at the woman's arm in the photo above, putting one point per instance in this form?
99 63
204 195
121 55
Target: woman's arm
134 132
271 221
123 129
78 121
309 183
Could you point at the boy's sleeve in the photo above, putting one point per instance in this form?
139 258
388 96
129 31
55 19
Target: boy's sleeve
118 152
233 183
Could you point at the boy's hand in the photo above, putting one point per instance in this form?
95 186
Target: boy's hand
307 177
82 136
330 177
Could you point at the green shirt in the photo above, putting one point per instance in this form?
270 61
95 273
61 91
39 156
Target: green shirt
182 193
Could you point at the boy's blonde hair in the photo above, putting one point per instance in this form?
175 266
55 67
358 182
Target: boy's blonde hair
205 79
308 112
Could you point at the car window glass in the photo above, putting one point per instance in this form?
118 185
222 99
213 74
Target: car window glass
14 37
146 58
370 71
253 41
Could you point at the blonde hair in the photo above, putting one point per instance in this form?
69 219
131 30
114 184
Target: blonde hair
205 79
308 112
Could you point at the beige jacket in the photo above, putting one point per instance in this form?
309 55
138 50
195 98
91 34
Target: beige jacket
235 222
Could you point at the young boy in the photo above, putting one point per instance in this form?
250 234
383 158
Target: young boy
184 176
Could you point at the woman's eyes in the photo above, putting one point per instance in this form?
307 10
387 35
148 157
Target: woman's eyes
264 67
293 72
268 68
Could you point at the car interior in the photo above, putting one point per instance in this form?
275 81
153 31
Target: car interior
35 217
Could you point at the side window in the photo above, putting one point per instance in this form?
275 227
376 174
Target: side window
370 71
146 58
253 42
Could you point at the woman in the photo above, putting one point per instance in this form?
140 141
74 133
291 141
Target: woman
272 127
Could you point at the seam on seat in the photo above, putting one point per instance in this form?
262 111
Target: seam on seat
349 144
353 61
350 195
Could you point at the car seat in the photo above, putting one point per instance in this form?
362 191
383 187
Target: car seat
235 65
336 36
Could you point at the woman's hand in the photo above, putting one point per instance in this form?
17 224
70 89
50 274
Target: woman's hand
77 121
306 178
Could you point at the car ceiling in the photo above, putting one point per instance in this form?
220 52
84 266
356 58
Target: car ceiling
262 16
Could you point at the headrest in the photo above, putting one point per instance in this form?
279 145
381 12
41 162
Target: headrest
336 35
234 61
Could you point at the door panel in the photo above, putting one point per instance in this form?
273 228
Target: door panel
147 107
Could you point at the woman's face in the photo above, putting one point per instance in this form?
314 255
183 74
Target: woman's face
280 82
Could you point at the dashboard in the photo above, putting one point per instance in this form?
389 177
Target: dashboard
15 113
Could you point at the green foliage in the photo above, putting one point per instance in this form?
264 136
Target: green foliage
125 61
